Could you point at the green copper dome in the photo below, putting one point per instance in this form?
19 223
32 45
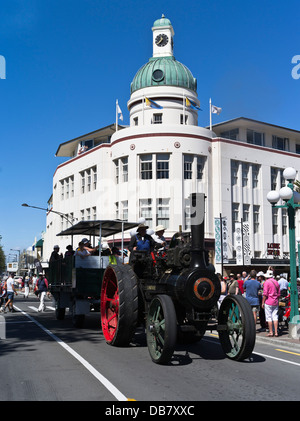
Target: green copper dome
162 22
163 71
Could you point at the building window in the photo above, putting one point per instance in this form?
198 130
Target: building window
94 170
235 213
136 121
234 172
124 204
274 172
163 212
162 165
297 148
245 172
94 213
82 182
124 162
157 118
281 143
188 167
116 162
183 120
88 214
246 213
255 175
117 210
255 138
200 167
82 214
275 220
89 180
62 187
256 218
284 221
146 210
230 134
146 166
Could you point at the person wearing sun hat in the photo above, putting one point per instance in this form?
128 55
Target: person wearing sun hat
270 301
158 236
141 240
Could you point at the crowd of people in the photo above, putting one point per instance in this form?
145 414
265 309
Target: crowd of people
262 291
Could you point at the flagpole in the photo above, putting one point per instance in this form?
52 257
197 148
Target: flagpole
116 115
210 122
143 109
183 104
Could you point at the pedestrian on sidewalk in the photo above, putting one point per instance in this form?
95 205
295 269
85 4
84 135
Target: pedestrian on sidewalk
11 291
233 286
252 288
42 288
270 302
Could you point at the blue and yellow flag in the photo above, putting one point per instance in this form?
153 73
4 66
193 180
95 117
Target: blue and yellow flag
191 104
152 104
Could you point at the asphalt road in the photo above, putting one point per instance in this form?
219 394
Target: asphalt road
43 359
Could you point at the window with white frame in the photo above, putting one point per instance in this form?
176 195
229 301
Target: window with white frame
62 189
117 210
274 172
124 162
255 175
124 205
146 167
88 214
200 167
162 165
82 176
281 143
116 162
255 138
157 118
188 167
234 172
235 214
284 221
146 211
275 220
89 180
163 212
246 209
245 172
256 217
94 173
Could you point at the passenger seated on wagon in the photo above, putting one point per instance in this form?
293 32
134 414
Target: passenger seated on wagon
87 246
81 251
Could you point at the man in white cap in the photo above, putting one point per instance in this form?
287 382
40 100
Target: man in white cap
158 236
270 301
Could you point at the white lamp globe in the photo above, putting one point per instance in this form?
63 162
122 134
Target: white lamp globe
273 196
285 193
289 173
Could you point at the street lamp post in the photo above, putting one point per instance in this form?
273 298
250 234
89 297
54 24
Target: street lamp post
63 215
291 199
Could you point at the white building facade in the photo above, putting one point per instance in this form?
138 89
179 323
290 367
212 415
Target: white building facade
150 168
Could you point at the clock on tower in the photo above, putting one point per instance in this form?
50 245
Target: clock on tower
162 37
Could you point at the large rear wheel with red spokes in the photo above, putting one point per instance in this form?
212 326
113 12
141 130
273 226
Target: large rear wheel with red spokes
119 305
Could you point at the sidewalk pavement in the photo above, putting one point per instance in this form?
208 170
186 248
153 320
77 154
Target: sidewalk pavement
282 340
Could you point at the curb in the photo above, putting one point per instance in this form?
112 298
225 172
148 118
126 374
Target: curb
288 343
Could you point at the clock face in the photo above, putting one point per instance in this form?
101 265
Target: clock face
161 40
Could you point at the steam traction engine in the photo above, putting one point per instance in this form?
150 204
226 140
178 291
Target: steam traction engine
175 294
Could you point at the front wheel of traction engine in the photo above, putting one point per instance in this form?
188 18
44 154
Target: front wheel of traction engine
119 305
161 329
236 327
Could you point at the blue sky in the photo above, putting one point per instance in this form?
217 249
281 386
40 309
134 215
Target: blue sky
67 61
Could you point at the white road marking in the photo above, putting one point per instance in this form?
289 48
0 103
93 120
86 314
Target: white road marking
106 383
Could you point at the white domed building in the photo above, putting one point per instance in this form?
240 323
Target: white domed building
150 168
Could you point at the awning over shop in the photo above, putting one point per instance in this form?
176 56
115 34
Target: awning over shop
39 243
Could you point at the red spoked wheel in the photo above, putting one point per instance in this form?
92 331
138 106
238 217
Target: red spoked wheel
119 305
